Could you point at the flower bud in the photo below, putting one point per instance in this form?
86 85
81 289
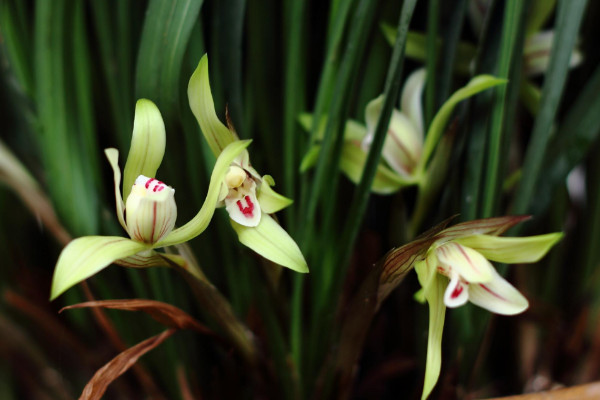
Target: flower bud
150 210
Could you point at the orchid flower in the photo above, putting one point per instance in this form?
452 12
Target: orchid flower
538 43
246 195
148 213
456 268
407 151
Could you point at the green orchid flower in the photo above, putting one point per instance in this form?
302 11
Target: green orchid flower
408 155
149 212
456 268
247 196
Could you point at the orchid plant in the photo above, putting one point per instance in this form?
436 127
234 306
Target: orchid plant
412 155
456 268
149 211
246 195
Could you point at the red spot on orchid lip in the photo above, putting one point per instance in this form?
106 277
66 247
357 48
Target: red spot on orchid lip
249 209
149 182
457 291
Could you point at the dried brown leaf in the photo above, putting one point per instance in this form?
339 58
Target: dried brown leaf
164 313
96 387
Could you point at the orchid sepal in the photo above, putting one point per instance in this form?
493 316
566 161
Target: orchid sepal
270 201
86 256
148 143
202 104
272 242
433 292
511 250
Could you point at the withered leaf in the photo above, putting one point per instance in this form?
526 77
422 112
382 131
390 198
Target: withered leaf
96 387
164 313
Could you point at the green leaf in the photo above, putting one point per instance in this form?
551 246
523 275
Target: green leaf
269 200
438 125
165 38
217 135
88 255
272 242
199 223
568 21
147 144
511 250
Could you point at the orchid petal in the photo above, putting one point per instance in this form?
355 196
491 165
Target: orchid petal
457 292
113 159
151 210
147 144
201 101
511 250
469 264
199 223
272 242
498 296
437 313
352 163
412 94
403 143
438 125
86 256
270 201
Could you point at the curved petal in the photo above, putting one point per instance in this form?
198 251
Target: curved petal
199 223
272 242
201 101
352 163
113 160
88 255
512 250
147 144
469 264
498 296
270 201
410 102
457 292
403 143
